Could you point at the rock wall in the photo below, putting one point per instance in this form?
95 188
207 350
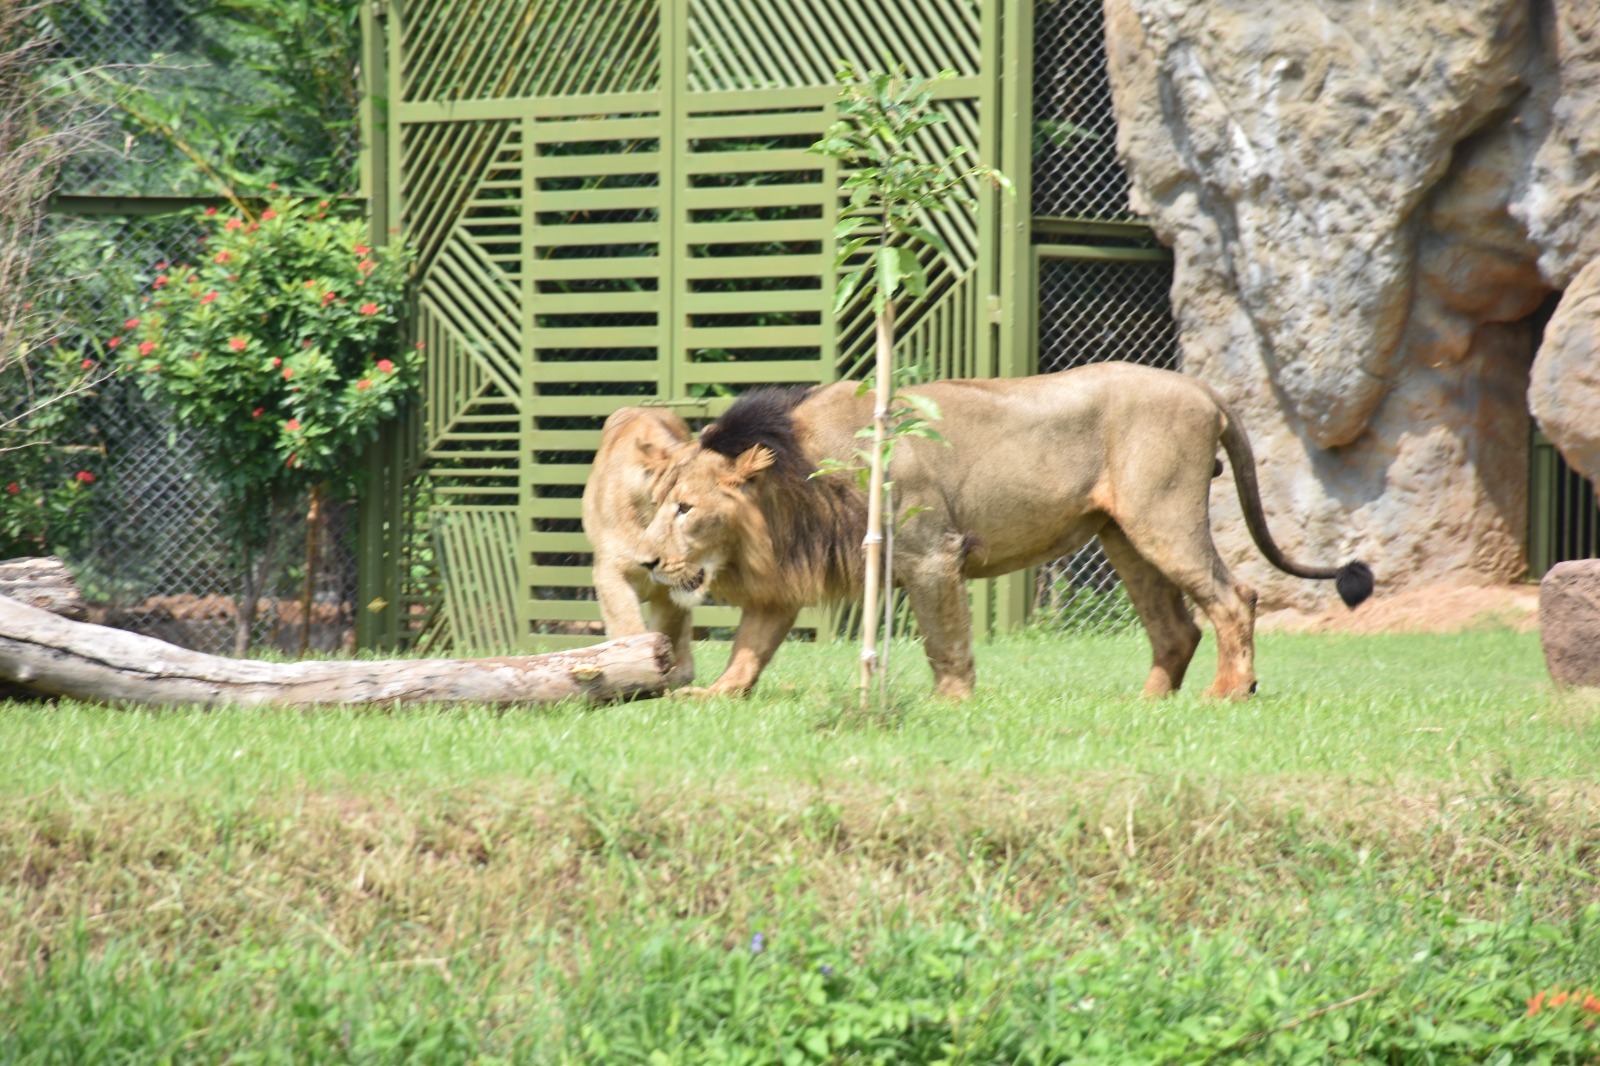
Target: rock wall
1368 204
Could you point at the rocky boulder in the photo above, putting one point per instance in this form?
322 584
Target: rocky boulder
1369 205
1569 622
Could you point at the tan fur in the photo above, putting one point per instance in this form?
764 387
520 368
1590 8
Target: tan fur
1033 469
616 508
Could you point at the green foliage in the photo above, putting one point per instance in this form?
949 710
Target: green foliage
280 345
236 94
892 187
48 451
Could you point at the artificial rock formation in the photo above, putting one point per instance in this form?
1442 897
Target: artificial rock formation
1569 622
1368 205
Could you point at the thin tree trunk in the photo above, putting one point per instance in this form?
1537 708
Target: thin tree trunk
313 552
244 610
872 544
253 580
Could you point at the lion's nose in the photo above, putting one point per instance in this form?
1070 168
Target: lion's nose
648 564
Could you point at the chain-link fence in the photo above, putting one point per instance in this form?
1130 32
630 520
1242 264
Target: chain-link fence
157 558
1075 169
175 81
1104 296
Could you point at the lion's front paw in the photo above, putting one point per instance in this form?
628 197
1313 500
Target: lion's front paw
691 692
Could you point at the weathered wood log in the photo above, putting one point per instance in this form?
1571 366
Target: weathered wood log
43 582
61 657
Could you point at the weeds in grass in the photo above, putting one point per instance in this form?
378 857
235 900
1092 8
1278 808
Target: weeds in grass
1033 877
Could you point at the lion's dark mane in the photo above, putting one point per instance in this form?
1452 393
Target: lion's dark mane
816 523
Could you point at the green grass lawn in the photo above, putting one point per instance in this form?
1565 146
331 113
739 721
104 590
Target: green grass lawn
1380 858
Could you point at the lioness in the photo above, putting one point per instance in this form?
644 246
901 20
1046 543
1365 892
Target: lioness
616 508
1032 469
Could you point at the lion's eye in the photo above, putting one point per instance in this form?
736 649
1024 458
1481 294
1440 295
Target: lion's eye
684 508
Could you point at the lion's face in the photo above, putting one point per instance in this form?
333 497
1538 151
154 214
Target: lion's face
704 514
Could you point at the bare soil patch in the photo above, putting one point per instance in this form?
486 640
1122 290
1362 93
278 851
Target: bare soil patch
1430 609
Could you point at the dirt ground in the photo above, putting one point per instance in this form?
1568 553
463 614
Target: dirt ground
1435 609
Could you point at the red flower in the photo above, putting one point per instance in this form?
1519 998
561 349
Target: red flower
369 309
211 210
366 266
419 346
257 412
13 488
113 342
85 477
386 366
238 344
322 203
252 227
293 425
162 280
364 383
232 223
265 215
132 323
153 368
222 257
276 362
292 460
361 249
272 185
327 298
86 364
208 297
288 372
147 347
161 266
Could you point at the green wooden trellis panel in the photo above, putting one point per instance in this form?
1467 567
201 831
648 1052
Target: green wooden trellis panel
612 204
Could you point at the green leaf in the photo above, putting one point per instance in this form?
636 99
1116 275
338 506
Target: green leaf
910 268
888 275
930 238
924 404
847 287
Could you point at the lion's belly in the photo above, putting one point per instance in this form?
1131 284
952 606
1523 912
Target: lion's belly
999 551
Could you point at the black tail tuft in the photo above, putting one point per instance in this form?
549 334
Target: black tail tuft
1354 582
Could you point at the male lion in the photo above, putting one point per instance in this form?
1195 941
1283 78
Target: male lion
1032 469
616 508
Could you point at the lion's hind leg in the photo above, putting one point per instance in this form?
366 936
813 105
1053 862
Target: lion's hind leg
1167 622
1169 527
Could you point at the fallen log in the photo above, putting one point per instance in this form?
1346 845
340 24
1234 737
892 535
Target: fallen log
60 657
44 582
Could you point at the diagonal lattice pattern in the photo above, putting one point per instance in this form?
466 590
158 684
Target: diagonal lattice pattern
493 49
1075 170
739 45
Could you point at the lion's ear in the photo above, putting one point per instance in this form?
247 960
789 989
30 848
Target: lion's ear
750 462
655 459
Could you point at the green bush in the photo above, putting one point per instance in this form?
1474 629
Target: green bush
52 460
280 346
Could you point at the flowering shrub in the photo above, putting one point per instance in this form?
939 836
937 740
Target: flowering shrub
47 454
279 344
1583 1006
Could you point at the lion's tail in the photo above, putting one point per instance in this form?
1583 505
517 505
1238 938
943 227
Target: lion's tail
1353 580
